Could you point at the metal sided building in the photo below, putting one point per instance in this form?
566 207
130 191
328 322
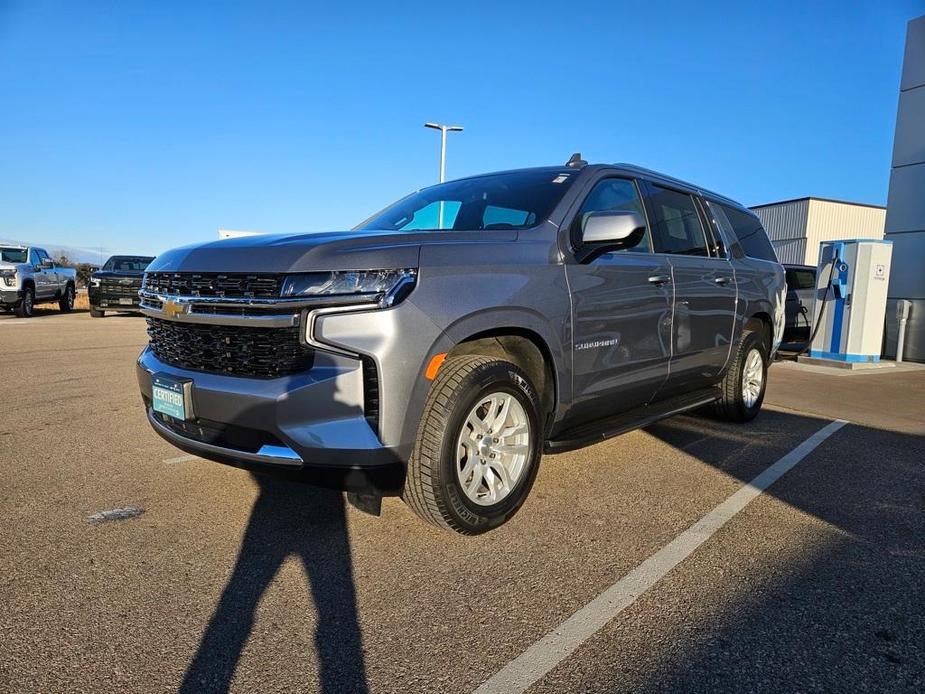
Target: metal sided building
797 227
905 222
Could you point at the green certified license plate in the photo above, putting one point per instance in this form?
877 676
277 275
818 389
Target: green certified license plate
171 396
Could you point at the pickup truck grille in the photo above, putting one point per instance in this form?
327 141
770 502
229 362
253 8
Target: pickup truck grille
230 350
265 286
119 288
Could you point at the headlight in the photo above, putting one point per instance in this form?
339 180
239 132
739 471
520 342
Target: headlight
385 286
9 277
94 281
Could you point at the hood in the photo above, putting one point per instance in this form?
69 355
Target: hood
118 273
10 266
341 250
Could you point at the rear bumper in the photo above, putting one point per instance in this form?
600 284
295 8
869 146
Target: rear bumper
309 427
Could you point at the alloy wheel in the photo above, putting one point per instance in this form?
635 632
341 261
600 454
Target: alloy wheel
752 378
492 448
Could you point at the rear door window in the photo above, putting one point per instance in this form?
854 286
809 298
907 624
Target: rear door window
677 226
751 235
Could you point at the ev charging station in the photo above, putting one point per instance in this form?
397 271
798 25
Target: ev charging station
851 288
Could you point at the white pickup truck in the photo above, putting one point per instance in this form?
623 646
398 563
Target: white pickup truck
28 276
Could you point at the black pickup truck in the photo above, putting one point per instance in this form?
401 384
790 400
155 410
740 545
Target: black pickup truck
115 287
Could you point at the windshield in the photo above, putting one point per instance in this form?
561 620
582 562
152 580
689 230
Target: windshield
13 255
137 263
517 200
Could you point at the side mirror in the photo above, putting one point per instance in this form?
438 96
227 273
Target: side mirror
611 230
48 263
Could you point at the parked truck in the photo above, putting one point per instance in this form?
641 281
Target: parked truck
115 286
28 276
438 349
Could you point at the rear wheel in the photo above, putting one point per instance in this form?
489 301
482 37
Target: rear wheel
66 302
478 446
26 308
745 382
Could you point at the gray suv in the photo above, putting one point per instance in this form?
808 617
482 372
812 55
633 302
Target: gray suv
438 349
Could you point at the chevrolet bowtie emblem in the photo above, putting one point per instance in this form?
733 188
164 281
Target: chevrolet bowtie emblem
175 308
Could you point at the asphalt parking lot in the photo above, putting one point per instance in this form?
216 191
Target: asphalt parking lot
227 580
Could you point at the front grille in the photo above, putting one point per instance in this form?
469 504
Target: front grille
231 350
116 288
264 286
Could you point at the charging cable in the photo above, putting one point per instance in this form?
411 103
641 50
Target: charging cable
825 299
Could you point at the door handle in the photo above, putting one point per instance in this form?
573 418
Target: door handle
659 279
722 281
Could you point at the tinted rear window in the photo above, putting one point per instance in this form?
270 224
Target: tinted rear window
801 279
752 236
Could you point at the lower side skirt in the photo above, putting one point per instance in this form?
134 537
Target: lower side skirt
602 429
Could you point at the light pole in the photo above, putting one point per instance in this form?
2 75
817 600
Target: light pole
444 129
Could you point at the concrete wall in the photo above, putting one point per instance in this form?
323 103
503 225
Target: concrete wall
905 220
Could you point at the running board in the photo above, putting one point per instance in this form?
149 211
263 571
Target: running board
602 429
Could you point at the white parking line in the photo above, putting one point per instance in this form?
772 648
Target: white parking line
557 645
181 459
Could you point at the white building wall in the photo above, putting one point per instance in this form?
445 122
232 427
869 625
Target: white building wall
796 228
830 221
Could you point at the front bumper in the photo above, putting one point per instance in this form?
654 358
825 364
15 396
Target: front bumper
112 301
309 426
10 297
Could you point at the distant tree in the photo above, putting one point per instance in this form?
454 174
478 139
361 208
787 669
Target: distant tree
63 259
84 270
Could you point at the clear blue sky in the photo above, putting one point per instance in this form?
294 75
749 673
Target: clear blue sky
142 126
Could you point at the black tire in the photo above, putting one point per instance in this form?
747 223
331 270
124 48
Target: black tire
26 307
96 313
66 302
732 406
432 487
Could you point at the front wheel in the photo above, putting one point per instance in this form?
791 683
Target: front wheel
26 307
744 385
478 446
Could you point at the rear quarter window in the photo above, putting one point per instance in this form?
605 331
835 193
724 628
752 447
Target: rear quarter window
751 235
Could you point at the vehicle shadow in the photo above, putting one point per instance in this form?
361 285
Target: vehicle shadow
804 605
42 311
286 521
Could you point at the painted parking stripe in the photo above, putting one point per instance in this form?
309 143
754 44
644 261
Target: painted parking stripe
557 645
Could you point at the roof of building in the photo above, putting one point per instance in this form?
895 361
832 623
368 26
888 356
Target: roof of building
813 197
